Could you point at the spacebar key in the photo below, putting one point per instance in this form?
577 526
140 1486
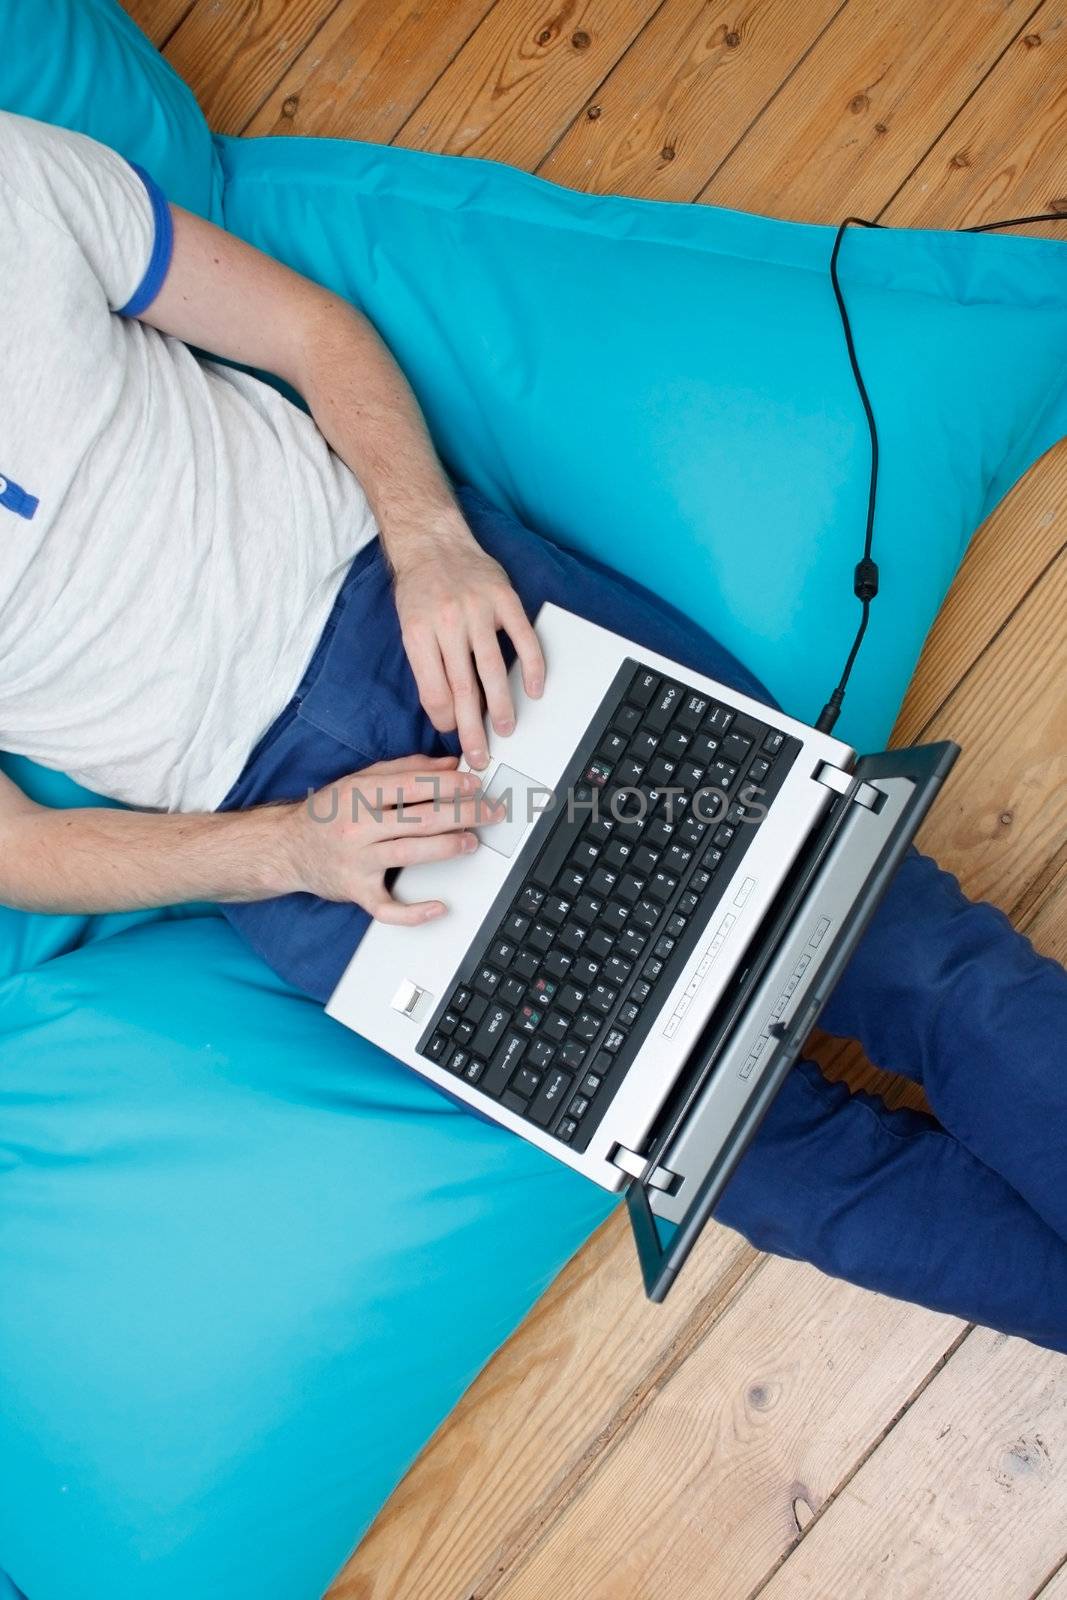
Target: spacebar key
550 1096
562 840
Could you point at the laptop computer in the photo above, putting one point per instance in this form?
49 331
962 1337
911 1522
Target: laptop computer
633 959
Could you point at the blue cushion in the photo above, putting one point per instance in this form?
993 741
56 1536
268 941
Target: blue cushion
257 1261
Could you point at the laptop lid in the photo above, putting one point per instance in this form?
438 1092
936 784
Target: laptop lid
755 1037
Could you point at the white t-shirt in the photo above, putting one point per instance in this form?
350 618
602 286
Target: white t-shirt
172 533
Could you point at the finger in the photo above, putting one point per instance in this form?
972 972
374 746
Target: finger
405 916
410 851
466 699
407 764
494 678
424 656
517 626
440 816
374 792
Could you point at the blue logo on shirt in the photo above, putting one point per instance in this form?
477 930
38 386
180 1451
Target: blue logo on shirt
15 499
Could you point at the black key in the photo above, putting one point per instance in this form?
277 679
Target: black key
511 992
555 910
565 834
628 773
651 969
586 1026
628 1014
659 833
615 916
491 1030
529 901
773 742
540 1053
690 832
736 746
699 882
542 991
508 1055
571 937
590 1084
437 1046
585 971
687 904
602 1063
711 858
643 688
601 998
553 1091
640 992
476 1008
486 980
457 1060
718 720
617 854
461 999
720 775
526 1082
689 775
570 881
616 971
675 743
600 828
703 748
578 1107
501 952
662 708
643 746
464 1032
677 926
570 998
585 855
691 712
514 1102
758 770
473 1070
599 944
722 836
661 886
566 1129
602 881
626 719
631 942
645 860
663 947
540 937
615 1040
735 815
556 1026
661 772
526 964
630 888
557 963
528 1019
587 908
573 1054
646 913
598 772
612 745
449 1021
677 859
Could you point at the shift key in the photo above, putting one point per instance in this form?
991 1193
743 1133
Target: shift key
552 1093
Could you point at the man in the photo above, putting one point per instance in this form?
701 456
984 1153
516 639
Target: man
211 602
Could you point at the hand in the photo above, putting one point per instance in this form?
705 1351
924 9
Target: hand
452 599
342 841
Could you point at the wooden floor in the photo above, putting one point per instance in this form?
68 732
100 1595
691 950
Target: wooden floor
768 1431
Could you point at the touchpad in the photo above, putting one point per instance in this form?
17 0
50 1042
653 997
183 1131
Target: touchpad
525 799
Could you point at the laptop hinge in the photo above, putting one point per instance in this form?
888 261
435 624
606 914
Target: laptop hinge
636 1166
840 781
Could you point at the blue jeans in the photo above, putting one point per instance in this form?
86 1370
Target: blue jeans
964 1211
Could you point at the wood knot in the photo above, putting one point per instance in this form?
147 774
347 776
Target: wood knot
880 127
802 1511
667 153
858 103
290 105
581 40
592 112
1031 40
759 1396
1006 819
545 36
732 39
1059 204
960 159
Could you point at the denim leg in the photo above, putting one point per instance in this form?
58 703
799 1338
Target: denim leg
946 991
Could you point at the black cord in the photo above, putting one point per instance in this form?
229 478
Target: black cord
865 578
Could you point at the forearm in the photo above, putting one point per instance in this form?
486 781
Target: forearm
364 406
94 860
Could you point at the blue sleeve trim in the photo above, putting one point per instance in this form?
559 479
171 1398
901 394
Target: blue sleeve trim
162 247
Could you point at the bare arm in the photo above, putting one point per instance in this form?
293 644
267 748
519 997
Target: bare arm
452 598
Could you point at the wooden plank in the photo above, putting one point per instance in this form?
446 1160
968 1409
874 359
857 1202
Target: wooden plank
864 107
1003 155
367 68
966 1498
581 1366
521 77
683 95
1056 1587
745 1443
157 19
232 52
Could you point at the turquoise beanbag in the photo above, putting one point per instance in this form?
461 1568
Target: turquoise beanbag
249 1263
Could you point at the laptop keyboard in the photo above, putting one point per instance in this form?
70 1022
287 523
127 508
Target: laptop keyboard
607 901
